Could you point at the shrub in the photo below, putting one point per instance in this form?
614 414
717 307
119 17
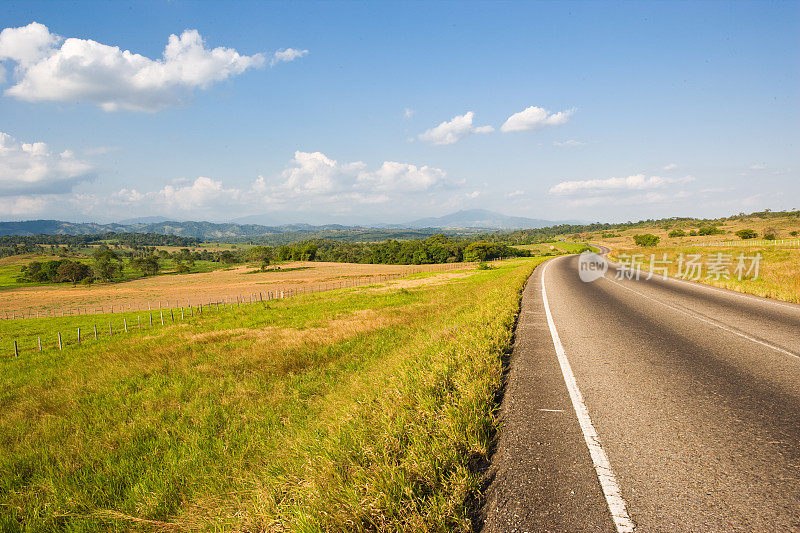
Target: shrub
677 233
646 239
709 230
746 234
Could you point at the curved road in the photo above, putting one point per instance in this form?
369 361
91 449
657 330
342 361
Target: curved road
690 393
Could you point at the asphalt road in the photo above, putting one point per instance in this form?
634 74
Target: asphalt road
693 393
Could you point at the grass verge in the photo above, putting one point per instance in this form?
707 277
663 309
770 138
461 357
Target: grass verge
357 409
778 276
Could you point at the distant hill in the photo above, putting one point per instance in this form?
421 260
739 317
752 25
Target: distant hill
470 219
479 218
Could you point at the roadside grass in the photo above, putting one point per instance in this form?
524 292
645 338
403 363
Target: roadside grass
557 247
779 269
348 410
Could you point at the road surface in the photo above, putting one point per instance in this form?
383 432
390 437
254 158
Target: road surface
654 405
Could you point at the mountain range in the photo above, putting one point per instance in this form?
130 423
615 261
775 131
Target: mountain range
466 219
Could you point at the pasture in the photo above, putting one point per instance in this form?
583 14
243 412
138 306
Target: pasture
358 408
174 290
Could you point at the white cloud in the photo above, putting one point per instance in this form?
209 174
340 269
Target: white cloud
452 131
516 193
311 181
394 176
202 196
535 118
758 166
289 54
23 206
671 166
568 143
408 113
472 195
33 168
50 68
635 182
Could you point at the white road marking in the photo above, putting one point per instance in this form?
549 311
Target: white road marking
608 481
710 322
551 410
729 292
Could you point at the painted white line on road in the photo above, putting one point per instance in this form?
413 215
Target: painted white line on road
700 285
608 481
731 292
709 322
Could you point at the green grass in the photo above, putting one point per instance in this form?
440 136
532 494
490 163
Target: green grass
11 270
559 247
356 409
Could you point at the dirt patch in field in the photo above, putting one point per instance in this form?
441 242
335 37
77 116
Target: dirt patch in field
172 290
334 330
436 279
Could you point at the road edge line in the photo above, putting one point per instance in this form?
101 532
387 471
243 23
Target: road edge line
608 481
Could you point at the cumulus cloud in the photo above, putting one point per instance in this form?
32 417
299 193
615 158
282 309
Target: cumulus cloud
452 131
635 182
535 118
23 206
311 180
671 166
27 168
201 193
51 68
284 56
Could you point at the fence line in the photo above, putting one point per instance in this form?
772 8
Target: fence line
750 242
228 302
290 291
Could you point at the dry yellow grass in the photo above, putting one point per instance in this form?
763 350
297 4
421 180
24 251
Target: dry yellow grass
172 290
779 269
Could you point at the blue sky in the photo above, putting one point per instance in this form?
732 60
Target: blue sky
634 110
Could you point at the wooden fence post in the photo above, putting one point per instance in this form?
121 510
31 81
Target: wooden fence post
95 332
162 318
181 313
125 321
16 351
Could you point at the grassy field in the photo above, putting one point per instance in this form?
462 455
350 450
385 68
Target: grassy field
11 269
555 247
779 269
358 409
781 226
169 290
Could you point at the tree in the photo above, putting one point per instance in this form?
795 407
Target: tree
106 262
677 233
73 271
746 234
646 239
148 266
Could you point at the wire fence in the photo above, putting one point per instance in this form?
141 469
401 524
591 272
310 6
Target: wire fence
138 318
788 243
252 293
